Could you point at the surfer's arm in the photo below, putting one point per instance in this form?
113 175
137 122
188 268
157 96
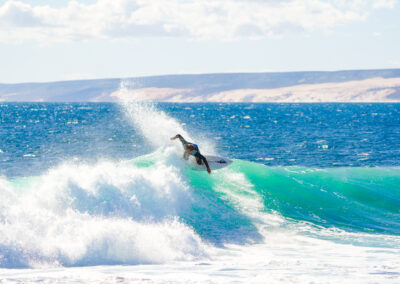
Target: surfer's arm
183 141
185 155
205 163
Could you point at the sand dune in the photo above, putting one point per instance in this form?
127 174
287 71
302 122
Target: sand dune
369 90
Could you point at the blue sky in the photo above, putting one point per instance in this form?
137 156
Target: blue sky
66 40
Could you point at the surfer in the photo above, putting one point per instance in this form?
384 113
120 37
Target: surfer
192 149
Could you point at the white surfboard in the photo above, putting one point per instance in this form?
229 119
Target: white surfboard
214 163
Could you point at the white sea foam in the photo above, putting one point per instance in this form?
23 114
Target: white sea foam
96 214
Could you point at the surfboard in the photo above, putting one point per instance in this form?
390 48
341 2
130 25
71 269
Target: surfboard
214 163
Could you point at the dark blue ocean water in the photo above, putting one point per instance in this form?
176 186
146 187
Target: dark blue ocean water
37 136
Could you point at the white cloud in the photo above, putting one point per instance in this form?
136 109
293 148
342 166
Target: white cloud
205 19
18 15
384 4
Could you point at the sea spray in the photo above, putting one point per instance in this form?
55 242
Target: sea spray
106 213
156 127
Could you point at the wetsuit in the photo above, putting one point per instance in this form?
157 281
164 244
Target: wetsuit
196 153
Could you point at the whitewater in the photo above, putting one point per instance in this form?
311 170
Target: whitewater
148 217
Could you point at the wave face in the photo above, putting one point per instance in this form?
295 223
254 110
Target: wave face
155 209
355 199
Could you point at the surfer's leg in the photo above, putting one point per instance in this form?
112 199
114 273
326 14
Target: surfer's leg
198 159
205 162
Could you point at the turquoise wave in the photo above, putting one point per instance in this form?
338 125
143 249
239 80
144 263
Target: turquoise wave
355 199
351 198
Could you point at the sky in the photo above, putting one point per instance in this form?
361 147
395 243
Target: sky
44 40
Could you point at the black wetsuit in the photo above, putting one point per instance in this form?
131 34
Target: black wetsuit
196 153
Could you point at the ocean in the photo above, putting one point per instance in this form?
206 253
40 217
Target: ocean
98 193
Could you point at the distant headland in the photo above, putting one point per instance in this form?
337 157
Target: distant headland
312 86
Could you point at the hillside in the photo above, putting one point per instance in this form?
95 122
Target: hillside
343 86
